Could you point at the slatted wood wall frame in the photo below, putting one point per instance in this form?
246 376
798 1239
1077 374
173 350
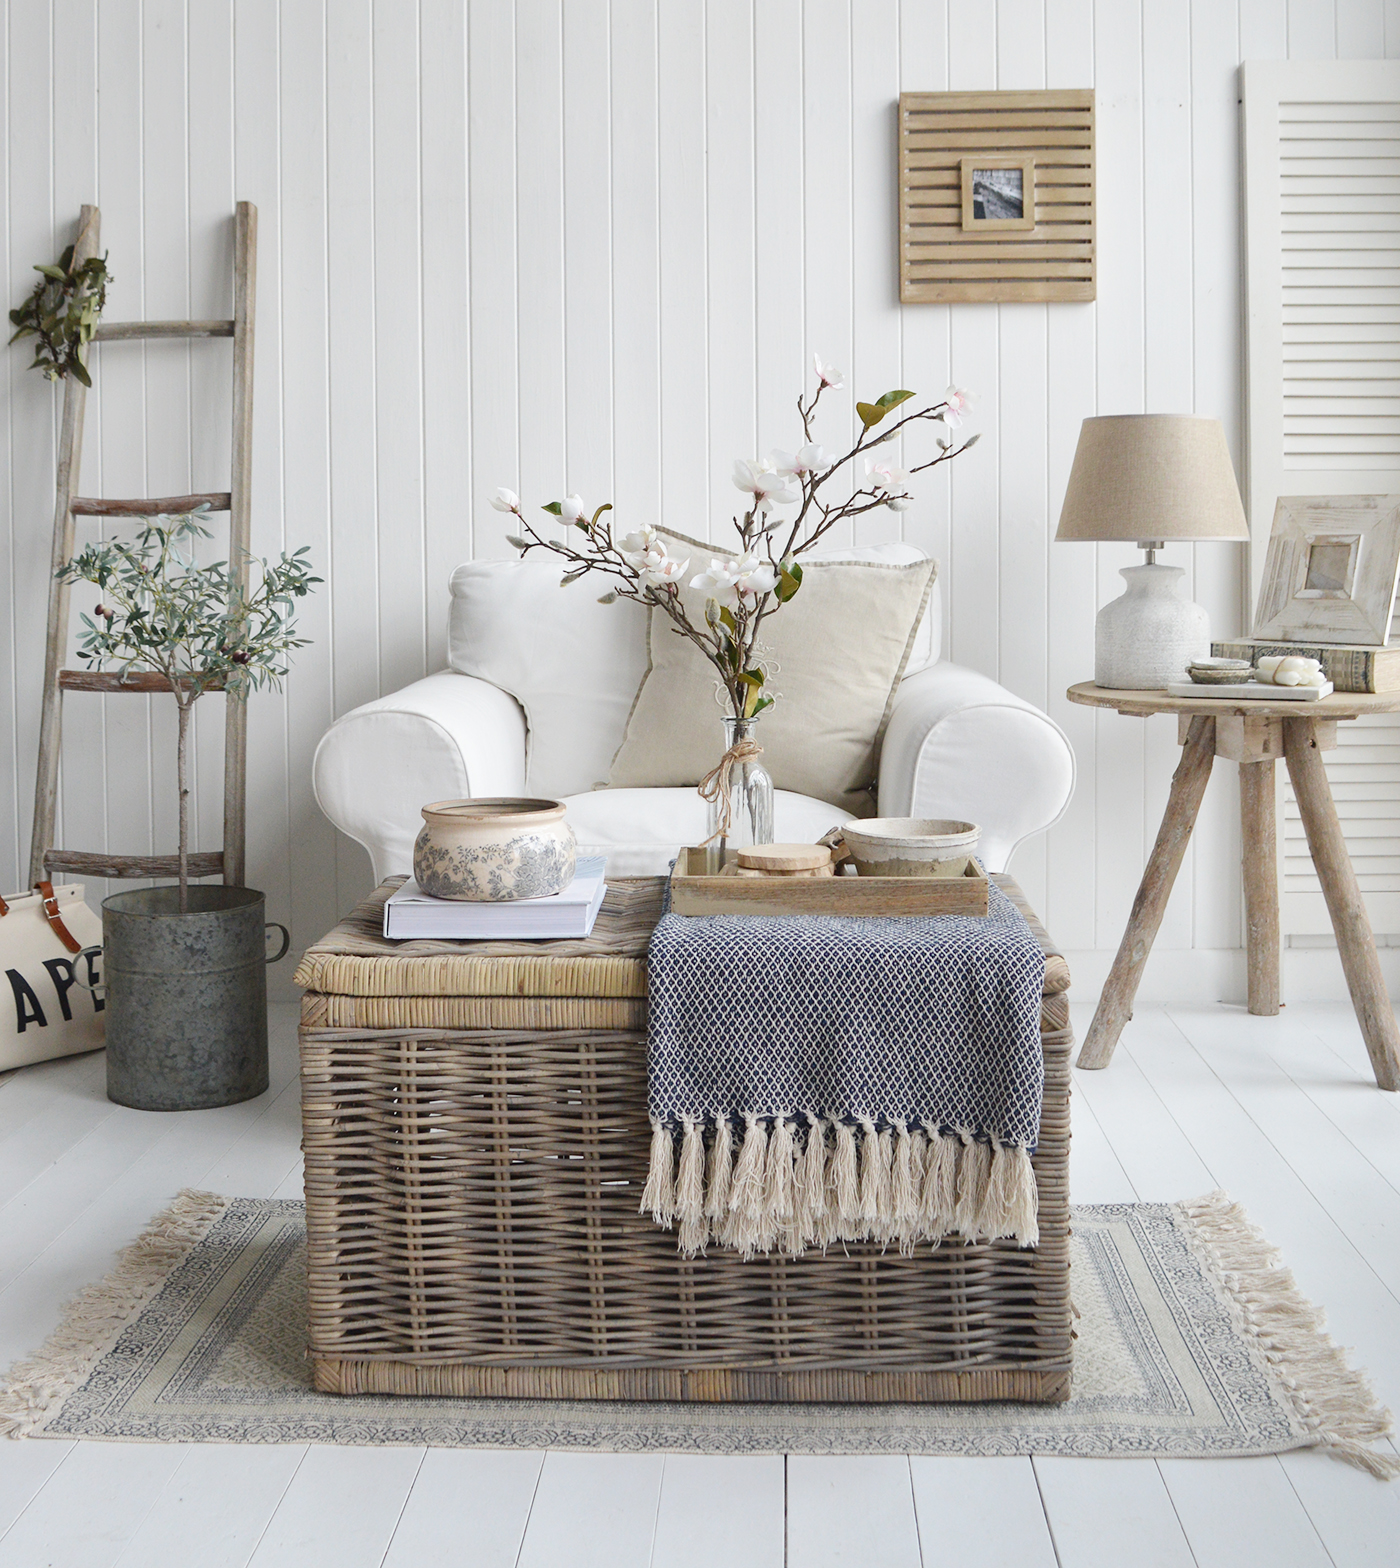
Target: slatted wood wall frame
940 259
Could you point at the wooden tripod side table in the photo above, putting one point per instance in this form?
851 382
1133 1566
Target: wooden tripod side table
1255 734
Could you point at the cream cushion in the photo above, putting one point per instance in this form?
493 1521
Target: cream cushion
574 665
835 656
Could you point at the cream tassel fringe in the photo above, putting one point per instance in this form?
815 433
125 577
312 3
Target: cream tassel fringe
1334 1402
659 1194
690 1191
789 1190
35 1389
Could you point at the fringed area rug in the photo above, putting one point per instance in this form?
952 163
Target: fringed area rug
1192 1342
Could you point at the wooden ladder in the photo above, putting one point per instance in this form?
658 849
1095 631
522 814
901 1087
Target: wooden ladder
43 857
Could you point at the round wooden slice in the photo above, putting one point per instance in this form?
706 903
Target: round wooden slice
785 857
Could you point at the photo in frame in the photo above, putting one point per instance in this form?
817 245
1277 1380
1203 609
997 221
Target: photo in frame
998 193
1331 570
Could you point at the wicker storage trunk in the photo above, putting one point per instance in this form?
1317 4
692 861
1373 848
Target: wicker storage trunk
476 1141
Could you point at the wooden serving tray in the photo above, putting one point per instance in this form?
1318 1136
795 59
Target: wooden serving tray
693 893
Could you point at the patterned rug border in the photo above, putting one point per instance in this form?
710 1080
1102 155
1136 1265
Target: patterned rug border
1333 1403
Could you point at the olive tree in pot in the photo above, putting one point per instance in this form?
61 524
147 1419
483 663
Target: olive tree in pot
185 966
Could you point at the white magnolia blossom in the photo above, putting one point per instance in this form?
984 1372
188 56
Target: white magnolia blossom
810 459
505 500
828 375
728 579
959 401
893 481
645 552
761 480
572 510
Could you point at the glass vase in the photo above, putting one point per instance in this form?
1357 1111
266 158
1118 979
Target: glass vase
750 801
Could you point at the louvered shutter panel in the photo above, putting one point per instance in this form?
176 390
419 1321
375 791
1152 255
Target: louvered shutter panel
1322 284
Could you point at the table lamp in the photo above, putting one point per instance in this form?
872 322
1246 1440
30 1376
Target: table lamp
1149 478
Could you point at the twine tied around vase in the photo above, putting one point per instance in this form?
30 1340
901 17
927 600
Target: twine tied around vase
715 785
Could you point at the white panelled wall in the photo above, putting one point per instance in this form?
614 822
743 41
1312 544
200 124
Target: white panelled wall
593 244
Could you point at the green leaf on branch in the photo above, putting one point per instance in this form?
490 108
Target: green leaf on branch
789 581
726 619
553 506
605 507
873 413
759 706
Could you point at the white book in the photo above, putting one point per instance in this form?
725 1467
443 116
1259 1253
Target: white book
410 912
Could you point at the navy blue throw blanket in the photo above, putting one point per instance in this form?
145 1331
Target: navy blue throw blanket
815 1079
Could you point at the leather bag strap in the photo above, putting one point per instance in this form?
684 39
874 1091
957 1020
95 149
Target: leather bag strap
55 921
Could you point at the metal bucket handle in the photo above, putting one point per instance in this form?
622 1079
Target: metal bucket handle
286 939
88 985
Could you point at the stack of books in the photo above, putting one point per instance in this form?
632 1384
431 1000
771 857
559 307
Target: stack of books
1350 667
410 913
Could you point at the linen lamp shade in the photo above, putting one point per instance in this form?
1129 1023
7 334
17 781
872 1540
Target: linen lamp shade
1152 476
1147 478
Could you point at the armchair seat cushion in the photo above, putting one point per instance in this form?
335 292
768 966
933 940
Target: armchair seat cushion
640 830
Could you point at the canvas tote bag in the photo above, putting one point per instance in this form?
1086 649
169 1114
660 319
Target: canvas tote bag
50 997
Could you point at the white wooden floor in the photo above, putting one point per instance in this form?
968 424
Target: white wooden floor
1281 1112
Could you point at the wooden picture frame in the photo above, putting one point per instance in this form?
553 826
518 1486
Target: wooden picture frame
1331 570
946 253
975 223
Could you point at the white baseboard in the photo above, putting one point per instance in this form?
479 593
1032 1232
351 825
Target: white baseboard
1217 974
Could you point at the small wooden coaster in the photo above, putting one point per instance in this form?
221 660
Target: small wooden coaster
785 857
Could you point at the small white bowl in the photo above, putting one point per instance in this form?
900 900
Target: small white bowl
911 846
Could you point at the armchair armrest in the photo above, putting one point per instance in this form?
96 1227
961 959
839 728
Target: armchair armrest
442 738
959 745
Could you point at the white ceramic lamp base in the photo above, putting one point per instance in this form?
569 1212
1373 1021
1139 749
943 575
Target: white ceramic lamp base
1151 634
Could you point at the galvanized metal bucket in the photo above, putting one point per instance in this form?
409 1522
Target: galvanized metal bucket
186 996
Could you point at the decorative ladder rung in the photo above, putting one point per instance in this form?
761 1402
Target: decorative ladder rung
111 680
82 864
125 331
154 506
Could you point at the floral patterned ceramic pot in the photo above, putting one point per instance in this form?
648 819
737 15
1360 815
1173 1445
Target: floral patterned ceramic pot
488 851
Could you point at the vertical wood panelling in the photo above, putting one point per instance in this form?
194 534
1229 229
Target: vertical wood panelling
1023 540
114 456
594 244
636 272
398 315
83 789
827 279
1070 396
1215 390
1123 825
685 409
539 182
1168 355
446 395
973 610
256 167
730 241
305 373
588 368
875 353
923 67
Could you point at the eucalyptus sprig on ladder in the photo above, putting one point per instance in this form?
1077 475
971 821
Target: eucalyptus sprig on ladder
198 626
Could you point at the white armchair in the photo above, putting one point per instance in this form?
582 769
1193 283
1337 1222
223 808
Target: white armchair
957 745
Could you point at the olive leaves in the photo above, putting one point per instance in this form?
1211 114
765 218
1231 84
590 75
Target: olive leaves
62 314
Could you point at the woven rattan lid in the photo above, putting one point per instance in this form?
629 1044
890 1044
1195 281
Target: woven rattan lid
356 959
